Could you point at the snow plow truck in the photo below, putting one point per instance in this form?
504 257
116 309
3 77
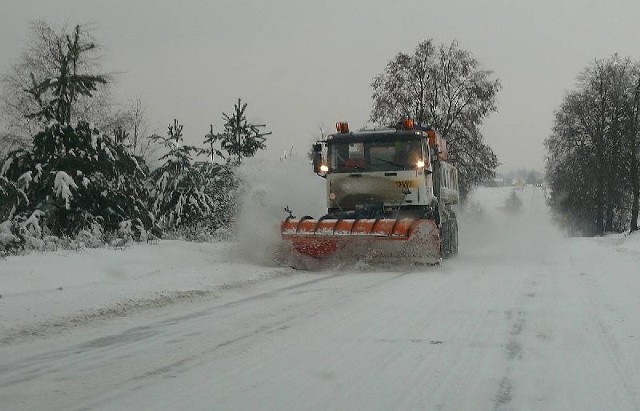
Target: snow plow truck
390 194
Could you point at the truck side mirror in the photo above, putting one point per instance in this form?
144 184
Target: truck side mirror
317 159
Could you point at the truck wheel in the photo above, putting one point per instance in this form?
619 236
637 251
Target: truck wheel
446 239
454 237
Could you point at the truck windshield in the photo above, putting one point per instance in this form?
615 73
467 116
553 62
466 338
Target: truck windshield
391 155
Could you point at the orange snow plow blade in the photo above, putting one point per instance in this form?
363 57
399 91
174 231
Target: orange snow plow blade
404 239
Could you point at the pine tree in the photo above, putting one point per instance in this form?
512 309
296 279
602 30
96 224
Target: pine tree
77 176
57 95
240 138
11 197
179 194
222 183
74 177
55 74
210 140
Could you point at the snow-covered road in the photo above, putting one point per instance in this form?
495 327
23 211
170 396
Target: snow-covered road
523 319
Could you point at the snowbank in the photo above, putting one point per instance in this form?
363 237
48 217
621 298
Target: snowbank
630 242
42 292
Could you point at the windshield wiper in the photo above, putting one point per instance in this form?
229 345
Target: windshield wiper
393 163
354 167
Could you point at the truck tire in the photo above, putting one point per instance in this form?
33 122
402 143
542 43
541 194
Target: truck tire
454 237
446 239
449 237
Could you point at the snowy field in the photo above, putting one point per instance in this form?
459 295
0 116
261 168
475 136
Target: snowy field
523 319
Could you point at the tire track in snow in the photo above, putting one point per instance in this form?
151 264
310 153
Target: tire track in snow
513 348
46 366
608 342
517 316
60 325
275 325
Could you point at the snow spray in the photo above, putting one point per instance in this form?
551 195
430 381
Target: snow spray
267 187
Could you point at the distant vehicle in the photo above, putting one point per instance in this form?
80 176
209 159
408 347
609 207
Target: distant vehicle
519 183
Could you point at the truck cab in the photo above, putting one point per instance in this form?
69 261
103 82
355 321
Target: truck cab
386 172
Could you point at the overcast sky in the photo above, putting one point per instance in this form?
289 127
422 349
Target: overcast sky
301 64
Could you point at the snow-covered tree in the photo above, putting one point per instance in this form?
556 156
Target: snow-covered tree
592 166
11 197
240 138
632 130
179 195
221 184
210 143
75 177
445 87
54 80
10 142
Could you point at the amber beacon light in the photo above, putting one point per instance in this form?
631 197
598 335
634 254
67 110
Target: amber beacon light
408 124
342 127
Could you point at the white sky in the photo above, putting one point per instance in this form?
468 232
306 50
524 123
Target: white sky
302 64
